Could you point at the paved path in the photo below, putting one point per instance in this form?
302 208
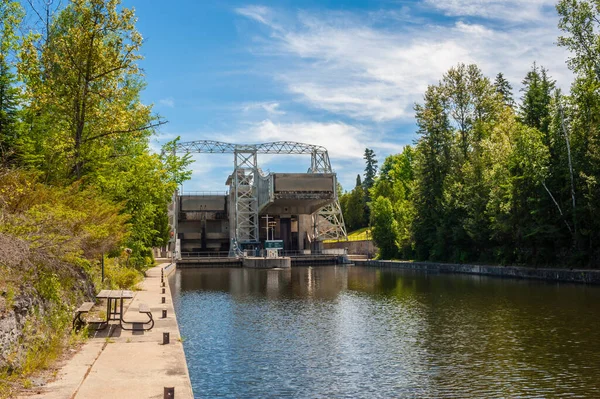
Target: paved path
116 363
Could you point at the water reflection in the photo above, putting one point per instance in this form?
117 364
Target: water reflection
359 332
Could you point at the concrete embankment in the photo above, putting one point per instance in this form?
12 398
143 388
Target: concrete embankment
562 275
115 363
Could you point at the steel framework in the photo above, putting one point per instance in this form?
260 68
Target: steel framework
328 222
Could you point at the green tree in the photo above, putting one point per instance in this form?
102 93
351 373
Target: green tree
504 88
450 198
385 228
518 167
370 175
396 182
353 207
579 123
537 95
10 19
370 169
83 84
432 163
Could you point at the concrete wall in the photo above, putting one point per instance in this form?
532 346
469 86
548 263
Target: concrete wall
364 247
564 275
297 182
267 263
203 203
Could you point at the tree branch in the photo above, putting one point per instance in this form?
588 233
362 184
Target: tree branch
557 205
150 126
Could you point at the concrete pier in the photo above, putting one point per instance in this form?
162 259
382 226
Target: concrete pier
267 263
115 363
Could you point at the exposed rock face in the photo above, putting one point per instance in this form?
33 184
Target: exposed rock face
12 325
23 308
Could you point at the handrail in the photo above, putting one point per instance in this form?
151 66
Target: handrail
203 193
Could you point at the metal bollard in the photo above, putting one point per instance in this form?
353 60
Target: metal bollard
164 313
163 290
163 300
169 393
165 338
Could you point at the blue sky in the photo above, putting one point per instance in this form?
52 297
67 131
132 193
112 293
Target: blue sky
342 74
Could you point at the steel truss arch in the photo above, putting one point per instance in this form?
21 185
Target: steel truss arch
328 222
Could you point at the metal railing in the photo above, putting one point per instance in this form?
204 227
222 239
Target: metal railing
203 193
369 237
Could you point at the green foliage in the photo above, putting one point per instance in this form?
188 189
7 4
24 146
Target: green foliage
579 125
83 84
117 275
537 94
83 124
10 19
385 228
65 221
353 207
504 88
370 169
484 180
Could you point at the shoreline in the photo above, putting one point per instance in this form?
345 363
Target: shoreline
580 276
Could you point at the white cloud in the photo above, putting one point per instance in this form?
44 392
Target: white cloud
507 10
167 102
270 107
352 67
257 13
340 140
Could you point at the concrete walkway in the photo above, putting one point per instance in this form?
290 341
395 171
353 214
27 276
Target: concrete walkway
116 363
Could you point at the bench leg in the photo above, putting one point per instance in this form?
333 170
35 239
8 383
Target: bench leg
150 321
77 319
78 322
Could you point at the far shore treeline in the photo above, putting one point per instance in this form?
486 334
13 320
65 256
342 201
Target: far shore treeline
492 179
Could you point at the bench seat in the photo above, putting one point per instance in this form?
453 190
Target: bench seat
84 308
142 308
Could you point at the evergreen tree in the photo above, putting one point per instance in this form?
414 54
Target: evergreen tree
370 169
370 175
504 89
537 95
10 18
432 165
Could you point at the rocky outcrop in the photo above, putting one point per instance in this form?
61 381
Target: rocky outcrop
36 289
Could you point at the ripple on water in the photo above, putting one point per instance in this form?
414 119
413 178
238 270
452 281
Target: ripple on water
336 332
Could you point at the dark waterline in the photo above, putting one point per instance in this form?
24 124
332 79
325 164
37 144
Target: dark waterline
352 332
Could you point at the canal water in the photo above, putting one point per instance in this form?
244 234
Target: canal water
353 332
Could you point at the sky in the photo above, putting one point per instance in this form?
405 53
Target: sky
338 73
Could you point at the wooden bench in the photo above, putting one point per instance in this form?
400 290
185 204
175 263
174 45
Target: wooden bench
142 308
84 308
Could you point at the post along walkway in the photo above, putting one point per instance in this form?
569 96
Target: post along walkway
115 363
